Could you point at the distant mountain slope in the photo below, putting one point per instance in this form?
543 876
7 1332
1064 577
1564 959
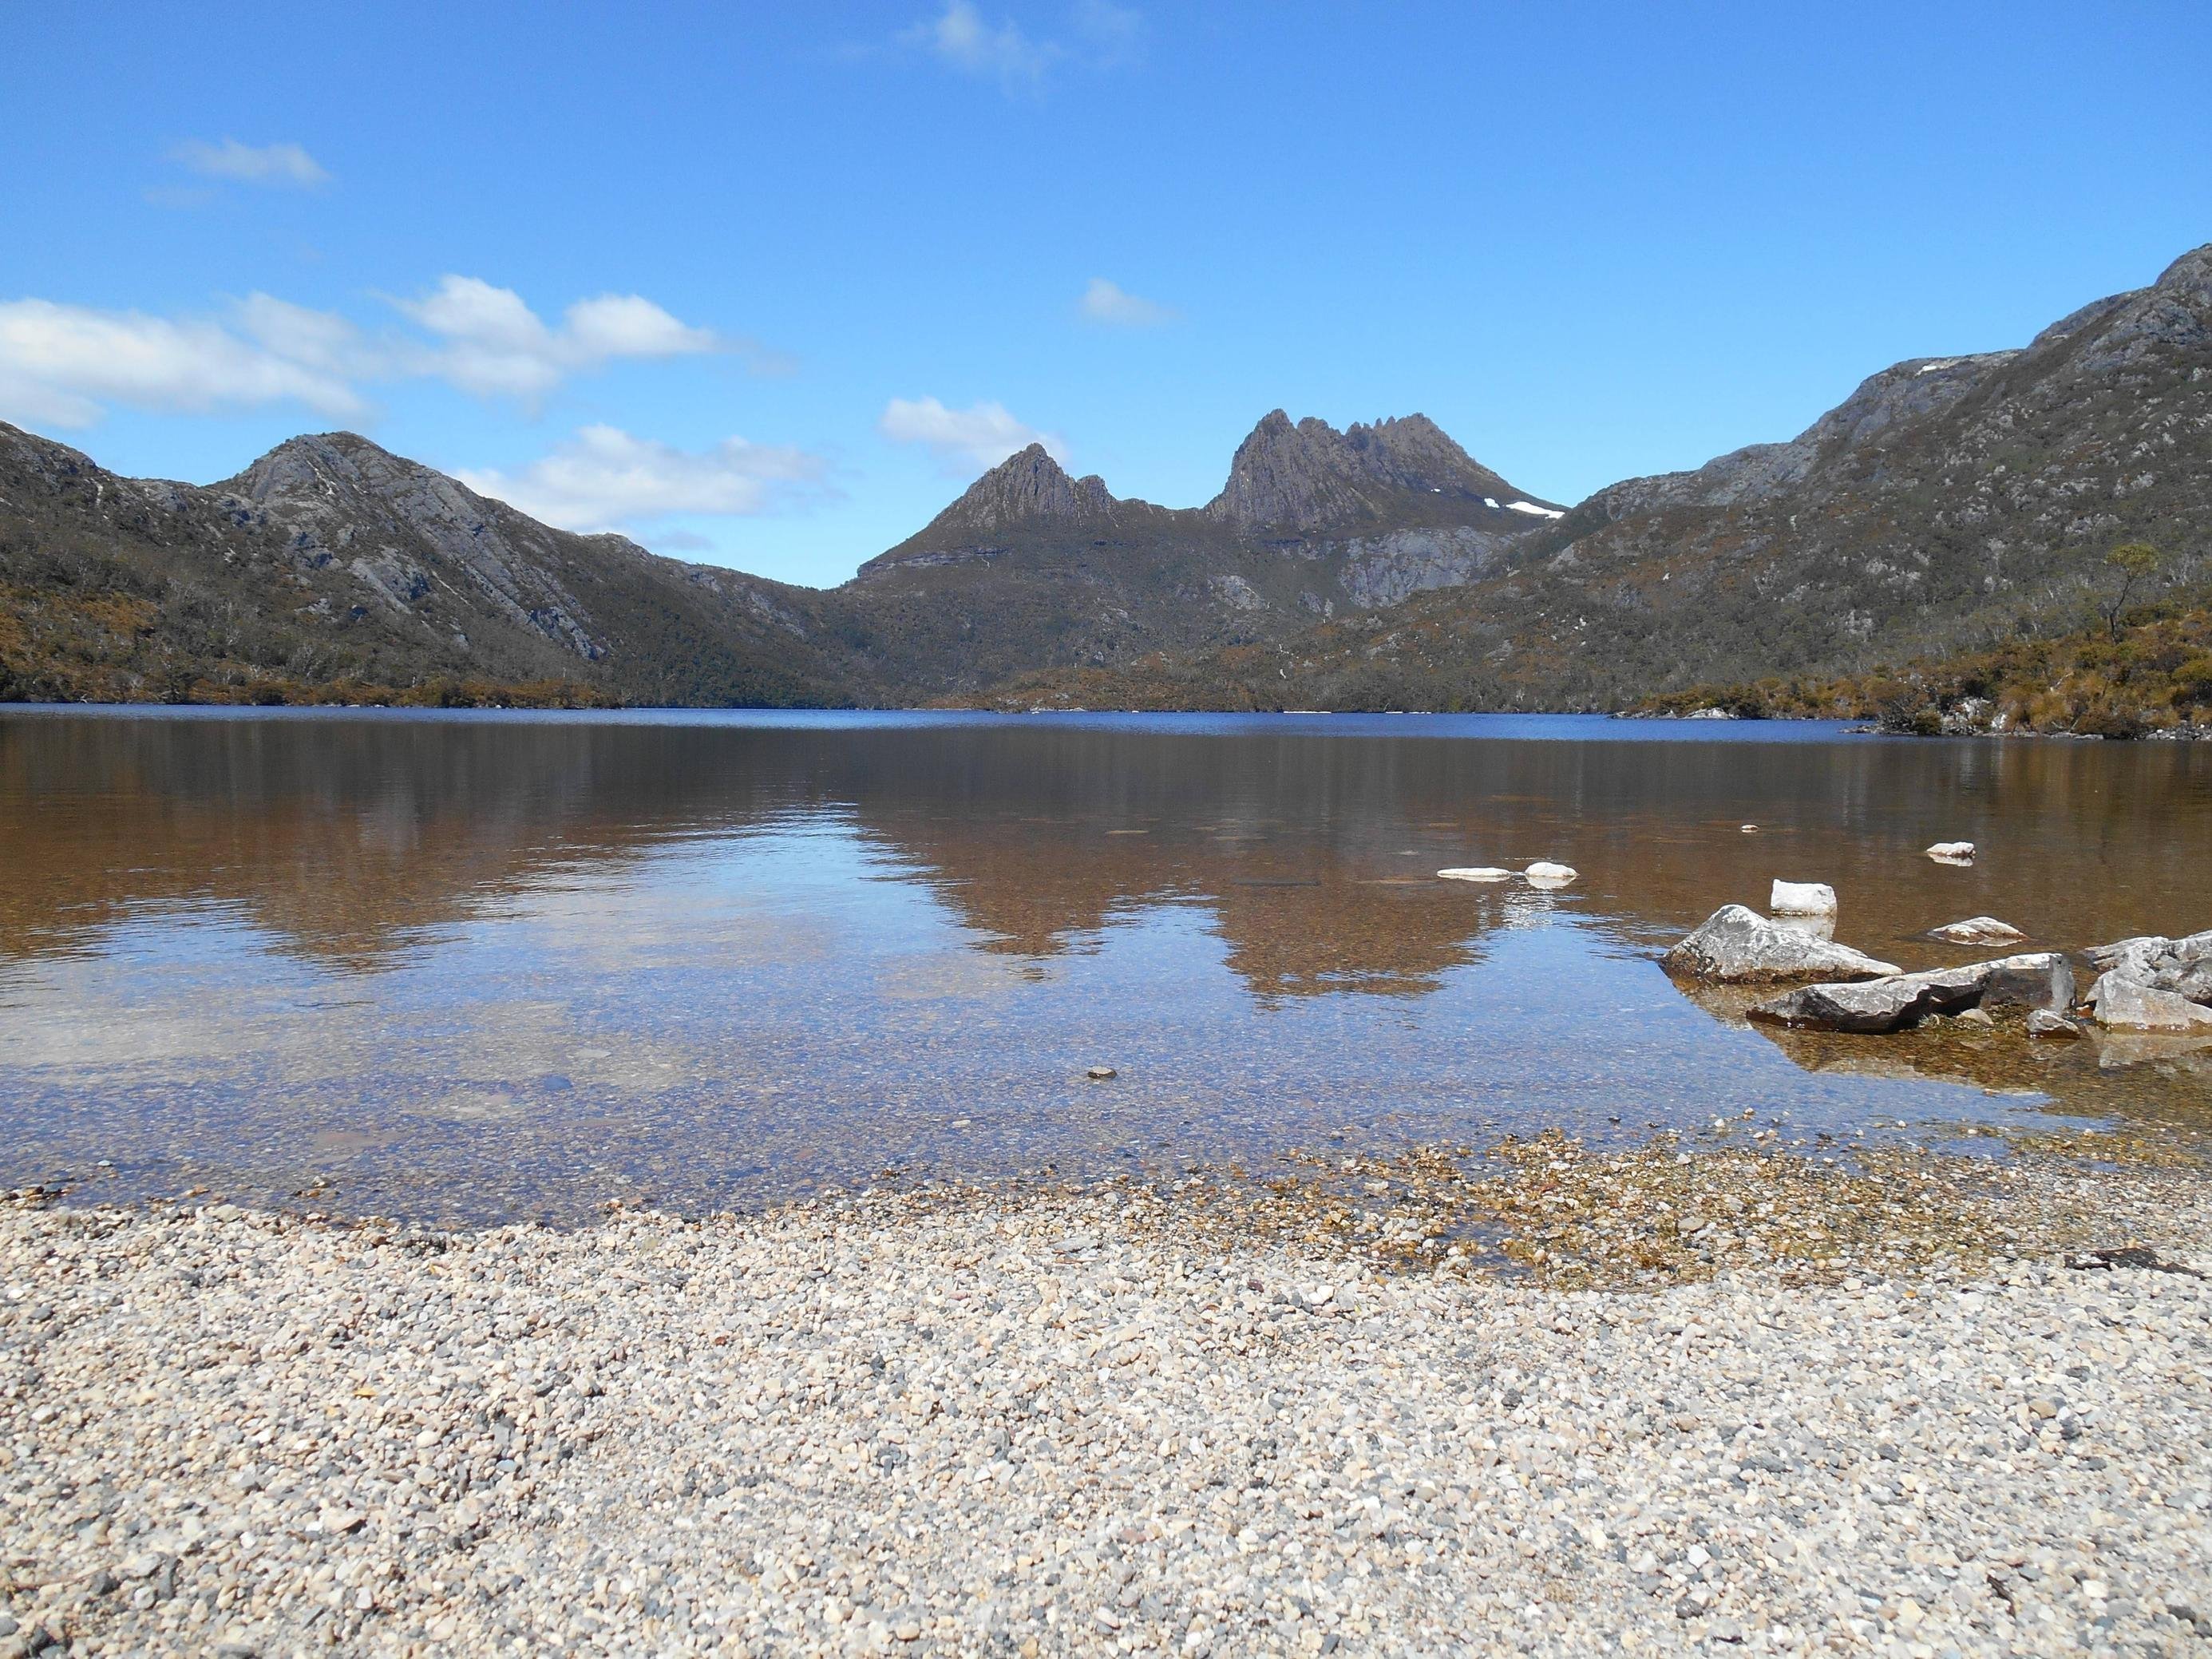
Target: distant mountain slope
1949 505
329 559
1033 569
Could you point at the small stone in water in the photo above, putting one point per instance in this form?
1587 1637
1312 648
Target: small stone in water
1100 1073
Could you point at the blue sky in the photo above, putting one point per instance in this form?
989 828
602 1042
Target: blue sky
767 285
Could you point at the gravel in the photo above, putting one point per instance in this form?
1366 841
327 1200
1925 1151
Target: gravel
1071 1421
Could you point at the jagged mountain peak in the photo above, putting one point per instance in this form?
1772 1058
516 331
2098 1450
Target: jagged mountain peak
1028 489
1308 476
329 462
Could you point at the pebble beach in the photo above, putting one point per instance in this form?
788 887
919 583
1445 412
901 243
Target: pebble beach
1122 1419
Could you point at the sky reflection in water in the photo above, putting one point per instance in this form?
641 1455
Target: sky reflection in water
495 966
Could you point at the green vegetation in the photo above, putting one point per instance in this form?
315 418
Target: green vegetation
97 631
2146 671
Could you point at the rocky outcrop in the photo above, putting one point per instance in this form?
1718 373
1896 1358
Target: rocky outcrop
1028 488
2181 967
391 521
1308 476
2042 980
1736 945
1387 569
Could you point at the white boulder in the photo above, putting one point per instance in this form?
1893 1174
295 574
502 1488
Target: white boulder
2132 1006
1736 945
1544 874
1475 873
1952 852
1802 899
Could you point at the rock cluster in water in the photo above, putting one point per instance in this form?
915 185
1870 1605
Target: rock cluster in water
2152 984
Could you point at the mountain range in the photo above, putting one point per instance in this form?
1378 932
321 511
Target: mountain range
1948 504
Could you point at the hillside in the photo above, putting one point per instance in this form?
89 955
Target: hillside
1949 505
331 567
330 564
2147 673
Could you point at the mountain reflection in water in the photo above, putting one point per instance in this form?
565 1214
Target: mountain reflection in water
481 965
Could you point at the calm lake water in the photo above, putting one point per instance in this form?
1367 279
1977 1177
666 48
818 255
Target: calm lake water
469 966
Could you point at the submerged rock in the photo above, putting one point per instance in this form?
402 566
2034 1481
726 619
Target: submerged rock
1802 899
1475 873
2041 980
1736 945
2042 1023
1978 930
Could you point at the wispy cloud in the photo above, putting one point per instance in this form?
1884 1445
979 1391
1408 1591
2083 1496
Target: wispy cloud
960 36
64 365
281 165
964 440
1099 34
1109 303
1115 34
605 478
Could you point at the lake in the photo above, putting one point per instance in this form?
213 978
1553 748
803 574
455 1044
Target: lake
488 966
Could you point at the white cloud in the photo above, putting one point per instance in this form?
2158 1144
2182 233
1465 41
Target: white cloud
963 439
494 345
605 479
61 365
961 38
1105 301
250 164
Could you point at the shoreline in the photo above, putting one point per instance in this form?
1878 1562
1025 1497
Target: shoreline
1118 1418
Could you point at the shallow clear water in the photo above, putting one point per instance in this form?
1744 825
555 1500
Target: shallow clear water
474 965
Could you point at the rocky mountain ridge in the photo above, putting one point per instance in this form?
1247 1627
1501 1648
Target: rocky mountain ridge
331 559
1947 503
1947 506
